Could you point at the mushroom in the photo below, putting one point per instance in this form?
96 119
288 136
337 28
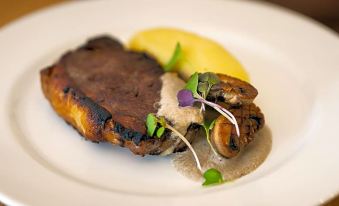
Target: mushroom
233 91
223 139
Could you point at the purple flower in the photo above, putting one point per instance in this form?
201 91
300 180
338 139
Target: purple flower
185 98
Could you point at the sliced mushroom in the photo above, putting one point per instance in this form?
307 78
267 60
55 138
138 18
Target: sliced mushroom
232 91
224 138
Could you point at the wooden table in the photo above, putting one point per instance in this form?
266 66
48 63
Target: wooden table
324 11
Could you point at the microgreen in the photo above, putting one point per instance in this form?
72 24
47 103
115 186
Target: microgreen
208 125
174 59
200 85
151 124
206 81
185 98
151 118
203 88
192 84
183 138
223 112
209 77
160 132
212 177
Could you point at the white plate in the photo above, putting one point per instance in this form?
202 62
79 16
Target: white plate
293 61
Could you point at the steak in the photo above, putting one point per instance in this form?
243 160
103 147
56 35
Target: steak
105 92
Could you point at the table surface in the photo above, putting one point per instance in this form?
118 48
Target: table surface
323 11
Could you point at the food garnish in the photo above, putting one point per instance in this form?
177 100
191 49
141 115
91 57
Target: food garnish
189 95
192 84
208 125
160 131
212 177
152 122
174 59
206 81
158 124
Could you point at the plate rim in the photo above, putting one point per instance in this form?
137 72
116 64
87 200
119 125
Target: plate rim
66 4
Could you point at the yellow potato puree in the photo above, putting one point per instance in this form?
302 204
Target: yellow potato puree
199 54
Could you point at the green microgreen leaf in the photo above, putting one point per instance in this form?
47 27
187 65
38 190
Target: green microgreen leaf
207 131
211 125
152 121
203 88
151 124
208 125
192 84
210 78
174 59
212 177
160 131
203 77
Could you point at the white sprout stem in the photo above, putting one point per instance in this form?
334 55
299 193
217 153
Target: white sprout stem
228 116
232 116
220 111
235 121
202 108
209 142
224 112
188 145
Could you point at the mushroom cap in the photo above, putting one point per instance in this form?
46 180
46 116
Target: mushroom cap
223 139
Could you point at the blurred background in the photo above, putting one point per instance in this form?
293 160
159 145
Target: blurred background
324 11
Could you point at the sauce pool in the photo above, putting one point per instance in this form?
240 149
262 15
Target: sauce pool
245 162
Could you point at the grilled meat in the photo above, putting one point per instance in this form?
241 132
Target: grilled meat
106 92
